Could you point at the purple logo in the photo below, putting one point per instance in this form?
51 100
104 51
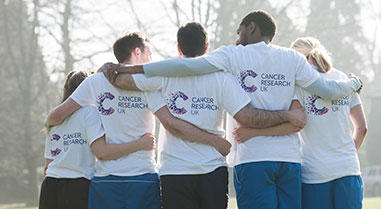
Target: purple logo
101 98
55 152
243 76
311 107
55 137
172 102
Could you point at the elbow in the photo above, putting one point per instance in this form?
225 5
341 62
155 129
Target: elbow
172 127
363 130
100 156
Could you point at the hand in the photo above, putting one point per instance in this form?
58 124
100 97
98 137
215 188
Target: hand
147 142
297 117
223 146
105 67
357 81
242 134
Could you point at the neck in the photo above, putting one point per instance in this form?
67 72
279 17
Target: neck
259 39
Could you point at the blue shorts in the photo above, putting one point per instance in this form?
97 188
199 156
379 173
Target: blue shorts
268 185
132 192
342 193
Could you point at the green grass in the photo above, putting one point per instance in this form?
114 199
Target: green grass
369 203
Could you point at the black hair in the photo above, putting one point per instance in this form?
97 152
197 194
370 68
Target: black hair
263 20
192 39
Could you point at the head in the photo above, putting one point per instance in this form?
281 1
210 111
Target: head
132 48
255 27
314 51
192 40
72 81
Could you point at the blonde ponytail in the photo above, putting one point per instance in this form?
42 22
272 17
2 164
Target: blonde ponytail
312 48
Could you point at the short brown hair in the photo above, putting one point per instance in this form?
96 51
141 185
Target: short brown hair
124 45
263 20
192 39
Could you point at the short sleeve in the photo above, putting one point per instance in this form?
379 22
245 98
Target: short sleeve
221 58
148 84
234 98
355 100
82 95
305 73
93 124
155 100
47 147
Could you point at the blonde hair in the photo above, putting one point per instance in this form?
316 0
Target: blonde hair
313 49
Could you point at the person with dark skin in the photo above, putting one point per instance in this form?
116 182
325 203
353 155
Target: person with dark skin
267 169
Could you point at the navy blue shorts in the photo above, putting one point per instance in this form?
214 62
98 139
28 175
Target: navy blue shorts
268 185
132 192
342 193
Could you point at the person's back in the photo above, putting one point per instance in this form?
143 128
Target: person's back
202 101
70 163
68 144
126 116
268 74
328 150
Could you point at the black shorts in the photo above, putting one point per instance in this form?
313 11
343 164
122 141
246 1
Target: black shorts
203 191
64 193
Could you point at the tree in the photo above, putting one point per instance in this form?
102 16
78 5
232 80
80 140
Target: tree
25 79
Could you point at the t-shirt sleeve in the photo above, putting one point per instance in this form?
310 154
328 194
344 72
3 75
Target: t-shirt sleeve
148 84
93 124
47 147
221 58
155 100
305 73
355 100
234 98
82 95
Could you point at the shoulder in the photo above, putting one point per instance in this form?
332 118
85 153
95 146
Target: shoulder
337 74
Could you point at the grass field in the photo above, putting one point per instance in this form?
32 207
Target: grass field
369 203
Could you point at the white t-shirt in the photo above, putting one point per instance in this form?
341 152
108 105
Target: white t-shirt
68 144
202 101
328 151
125 116
268 74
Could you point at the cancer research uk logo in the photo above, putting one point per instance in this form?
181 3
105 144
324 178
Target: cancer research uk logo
172 102
267 80
333 105
55 137
101 98
196 103
55 152
312 108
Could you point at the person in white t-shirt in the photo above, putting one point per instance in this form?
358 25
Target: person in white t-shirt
267 169
330 165
130 181
70 163
193 175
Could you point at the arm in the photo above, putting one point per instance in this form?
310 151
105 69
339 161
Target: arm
104 151
169 68
62 111
47 162
242 134
331 89
190 132
125 81
257 118
357 117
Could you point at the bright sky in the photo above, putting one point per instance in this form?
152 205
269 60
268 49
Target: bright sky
106 20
